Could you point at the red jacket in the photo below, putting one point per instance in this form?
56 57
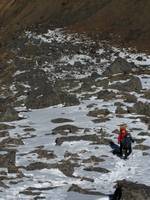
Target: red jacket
122 134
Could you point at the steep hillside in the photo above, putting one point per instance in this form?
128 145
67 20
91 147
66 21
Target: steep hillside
123 21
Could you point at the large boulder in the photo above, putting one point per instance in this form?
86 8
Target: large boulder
10 114
98 112
134 191
120 65
134 84
65 129
106 95
142 108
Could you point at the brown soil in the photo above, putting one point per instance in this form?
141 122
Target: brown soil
120 21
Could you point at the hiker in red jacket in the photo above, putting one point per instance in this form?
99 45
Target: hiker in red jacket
122 134
125 140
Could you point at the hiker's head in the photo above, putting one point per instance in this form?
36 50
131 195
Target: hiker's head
123 130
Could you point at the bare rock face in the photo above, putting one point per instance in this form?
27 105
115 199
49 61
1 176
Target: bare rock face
120 65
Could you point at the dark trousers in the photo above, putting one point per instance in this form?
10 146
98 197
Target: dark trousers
127 151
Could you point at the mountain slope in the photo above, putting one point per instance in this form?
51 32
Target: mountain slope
127 19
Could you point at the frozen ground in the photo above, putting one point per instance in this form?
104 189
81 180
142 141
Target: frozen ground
36 131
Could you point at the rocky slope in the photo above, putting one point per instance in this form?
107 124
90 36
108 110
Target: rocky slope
125 22
63 95
62 98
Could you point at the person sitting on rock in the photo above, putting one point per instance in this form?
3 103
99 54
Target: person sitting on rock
125 140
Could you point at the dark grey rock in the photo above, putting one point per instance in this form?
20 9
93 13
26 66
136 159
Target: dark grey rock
93 138
142 108
61 120
134 191
10 114
66 129
76 188
120 110
97 169
106 95
67 168
134 84
130 98
141 147
96 112
120 65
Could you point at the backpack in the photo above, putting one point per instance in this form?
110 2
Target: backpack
126 142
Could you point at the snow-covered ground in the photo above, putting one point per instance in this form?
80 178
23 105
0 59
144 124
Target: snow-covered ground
40 133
